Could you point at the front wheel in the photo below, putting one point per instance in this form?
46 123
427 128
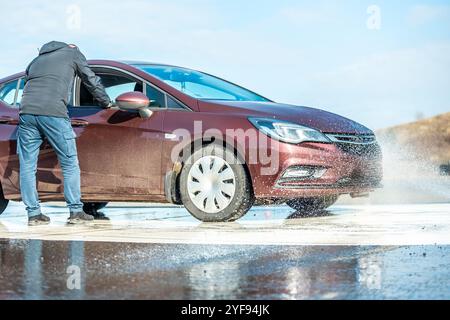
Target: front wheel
214 186
307 206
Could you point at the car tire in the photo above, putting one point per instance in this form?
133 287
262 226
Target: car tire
214 185
3 202
307 206
92 207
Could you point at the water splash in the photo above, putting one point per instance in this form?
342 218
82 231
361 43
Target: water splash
410 176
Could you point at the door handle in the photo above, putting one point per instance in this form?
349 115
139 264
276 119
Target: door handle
9 120
79 123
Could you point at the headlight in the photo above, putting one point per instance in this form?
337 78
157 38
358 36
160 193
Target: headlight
287 131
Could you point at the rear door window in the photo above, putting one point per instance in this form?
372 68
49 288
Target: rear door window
8 92
20 92
11 92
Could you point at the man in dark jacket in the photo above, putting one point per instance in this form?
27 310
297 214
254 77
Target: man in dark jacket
43 114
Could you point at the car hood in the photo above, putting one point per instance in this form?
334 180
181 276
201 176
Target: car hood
321 120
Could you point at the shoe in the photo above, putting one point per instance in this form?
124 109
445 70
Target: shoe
80 217
38 220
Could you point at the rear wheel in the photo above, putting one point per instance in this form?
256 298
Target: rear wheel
3 202
214 186
307 206
92 207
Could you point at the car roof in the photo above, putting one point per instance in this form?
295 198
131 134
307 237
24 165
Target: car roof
132 63
140 63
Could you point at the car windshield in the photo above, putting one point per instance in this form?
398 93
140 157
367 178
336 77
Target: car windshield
200 85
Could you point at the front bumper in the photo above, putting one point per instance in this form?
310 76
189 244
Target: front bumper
350 168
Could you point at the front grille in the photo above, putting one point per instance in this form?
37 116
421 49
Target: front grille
358 145
369 151
366 147
353 138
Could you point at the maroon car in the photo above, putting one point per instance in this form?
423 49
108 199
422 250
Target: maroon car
185 137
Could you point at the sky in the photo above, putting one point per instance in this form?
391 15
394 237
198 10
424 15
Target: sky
381 63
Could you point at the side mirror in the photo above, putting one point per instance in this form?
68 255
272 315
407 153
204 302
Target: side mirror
135 101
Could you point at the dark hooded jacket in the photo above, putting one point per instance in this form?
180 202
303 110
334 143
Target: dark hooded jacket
49 80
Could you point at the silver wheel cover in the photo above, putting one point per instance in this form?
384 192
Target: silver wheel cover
211 184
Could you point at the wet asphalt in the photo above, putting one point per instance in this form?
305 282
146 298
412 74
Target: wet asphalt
49 269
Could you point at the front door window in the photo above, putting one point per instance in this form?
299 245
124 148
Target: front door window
114 85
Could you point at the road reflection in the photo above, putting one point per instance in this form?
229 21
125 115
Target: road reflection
34 269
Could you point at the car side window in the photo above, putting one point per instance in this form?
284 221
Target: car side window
8 92
174 104
20 92
162 100
115 85
157 98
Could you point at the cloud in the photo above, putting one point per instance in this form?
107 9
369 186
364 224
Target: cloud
191 33
106 28
303 16
423 14
389 86
307 15
301 54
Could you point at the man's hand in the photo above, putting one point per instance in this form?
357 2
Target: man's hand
110 105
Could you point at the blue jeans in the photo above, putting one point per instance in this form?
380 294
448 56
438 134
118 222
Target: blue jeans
59 133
